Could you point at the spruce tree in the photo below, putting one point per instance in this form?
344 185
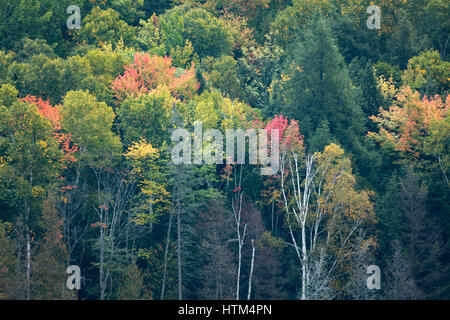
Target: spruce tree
320 138
318 87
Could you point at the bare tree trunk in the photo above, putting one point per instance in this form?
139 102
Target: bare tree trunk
102 261
300 214
28 242
240 239
74 224
239 267
166 252
27 252
28 262
304 262
113 194
237 210
251 271
180 296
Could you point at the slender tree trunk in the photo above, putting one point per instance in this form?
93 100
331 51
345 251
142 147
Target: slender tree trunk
166 252
304 263
28 262
239 266
237 209
18 271
251 272
101 216
218 282
102 261
272 214
180 296
28 242
241 243
27 252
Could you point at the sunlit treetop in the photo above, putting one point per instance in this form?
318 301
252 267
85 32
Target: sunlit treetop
406 124
289 133
147 72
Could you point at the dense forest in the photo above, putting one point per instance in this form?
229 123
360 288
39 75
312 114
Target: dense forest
355 91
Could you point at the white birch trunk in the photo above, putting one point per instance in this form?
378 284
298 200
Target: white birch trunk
251 272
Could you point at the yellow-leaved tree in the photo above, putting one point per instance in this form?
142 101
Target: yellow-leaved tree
326 215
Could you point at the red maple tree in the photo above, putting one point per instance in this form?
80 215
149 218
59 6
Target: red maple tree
52 114
147 72
288 131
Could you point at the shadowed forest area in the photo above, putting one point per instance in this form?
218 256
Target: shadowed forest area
91 92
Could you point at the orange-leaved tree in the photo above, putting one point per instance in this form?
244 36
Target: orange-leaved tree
147 72
416 127
51 113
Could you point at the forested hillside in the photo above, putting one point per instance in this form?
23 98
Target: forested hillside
92 93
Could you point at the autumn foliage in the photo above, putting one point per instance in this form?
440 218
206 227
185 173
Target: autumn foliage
147 72
219 149
289 132
51 113
407 123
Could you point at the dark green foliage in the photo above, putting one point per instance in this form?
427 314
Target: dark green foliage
318 86
33 19
404 43
209 35
363 76
146 117
91 167
320 138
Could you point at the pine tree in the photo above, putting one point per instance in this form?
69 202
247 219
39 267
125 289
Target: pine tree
318 86
404 43
363 75
391 221
320 138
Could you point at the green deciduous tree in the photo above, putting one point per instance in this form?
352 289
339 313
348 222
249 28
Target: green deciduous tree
90 122
31 154
102 26
208 34
147 117
427 73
